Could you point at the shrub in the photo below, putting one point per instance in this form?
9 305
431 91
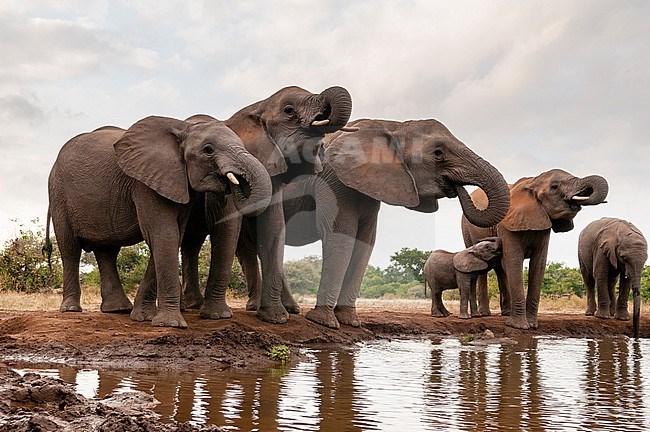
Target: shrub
24 267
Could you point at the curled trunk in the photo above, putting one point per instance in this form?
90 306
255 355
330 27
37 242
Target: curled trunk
594 188
336 107
495 187
253 193
636 307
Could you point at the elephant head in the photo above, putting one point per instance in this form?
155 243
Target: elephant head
478 257
285 131
171 156
552 200
413 164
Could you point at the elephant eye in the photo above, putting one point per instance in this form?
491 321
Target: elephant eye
288 109
554 186
439 154
208 149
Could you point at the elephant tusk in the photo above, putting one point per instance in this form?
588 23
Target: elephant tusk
579 198
320 122
349 129
232 178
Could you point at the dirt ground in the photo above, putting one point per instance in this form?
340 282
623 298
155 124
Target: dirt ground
94 339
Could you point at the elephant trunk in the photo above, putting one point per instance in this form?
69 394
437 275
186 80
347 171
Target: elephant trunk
636 304
250 185
335 108
495 187
591 190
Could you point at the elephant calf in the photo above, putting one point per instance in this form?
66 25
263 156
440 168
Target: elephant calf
447 270
610 248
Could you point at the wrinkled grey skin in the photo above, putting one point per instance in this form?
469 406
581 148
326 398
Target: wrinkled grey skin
111 188
285 133
611 249
449 270
412 164
537 204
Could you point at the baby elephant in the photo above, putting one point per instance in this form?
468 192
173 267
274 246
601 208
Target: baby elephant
610 248
446 270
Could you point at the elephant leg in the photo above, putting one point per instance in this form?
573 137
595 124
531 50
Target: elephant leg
271 239
537 267
144 308
623 295
70 255
590 290
463 281
223 240
247 256
346 310
114 300
504 292
190 250
611 289
289 303
602 290
483 295
162 223
473 307
513 264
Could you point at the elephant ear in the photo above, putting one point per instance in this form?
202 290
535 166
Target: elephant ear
608 247
466 262
526 212
149 151
369 160
251 129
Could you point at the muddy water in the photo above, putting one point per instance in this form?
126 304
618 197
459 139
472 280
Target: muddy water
536 384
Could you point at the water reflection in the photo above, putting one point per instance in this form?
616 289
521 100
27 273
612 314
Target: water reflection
536 384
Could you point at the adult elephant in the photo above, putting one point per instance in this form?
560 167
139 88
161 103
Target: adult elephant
111 188
410 164
538 205
609 249
285 132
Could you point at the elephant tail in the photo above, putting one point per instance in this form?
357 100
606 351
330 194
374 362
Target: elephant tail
425 288
47 247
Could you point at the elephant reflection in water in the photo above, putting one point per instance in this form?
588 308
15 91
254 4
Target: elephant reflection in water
513 402
612 384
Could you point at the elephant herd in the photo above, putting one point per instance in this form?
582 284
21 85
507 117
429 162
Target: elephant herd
290 169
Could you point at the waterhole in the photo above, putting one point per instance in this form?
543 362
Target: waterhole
408 385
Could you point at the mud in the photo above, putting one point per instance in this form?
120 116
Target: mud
97 340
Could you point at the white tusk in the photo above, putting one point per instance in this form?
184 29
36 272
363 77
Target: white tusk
579 198
349 129
320 122
232 179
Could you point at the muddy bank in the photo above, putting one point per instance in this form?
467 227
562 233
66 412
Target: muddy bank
35 403
94 339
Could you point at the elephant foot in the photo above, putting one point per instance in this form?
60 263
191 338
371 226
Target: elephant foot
291 305
70 305
518 322
347 315
323 315
215 310
505 312
191 301
476 315
253 303
533 324
464 315
603 314
120 305
144 312
622 315
169 319
274 313
440 313
484 312
590 311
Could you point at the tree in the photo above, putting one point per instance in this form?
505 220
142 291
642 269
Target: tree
23 267
562 280
410 262
303 275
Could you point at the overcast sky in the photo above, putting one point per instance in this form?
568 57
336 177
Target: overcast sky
529 86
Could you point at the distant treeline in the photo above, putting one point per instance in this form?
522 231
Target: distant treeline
23 267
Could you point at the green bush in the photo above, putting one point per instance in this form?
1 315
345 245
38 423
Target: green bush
303 275
24 267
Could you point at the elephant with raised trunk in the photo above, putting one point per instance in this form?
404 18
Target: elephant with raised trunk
448 270
410 164
611 249
113 187
285 132
538 205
